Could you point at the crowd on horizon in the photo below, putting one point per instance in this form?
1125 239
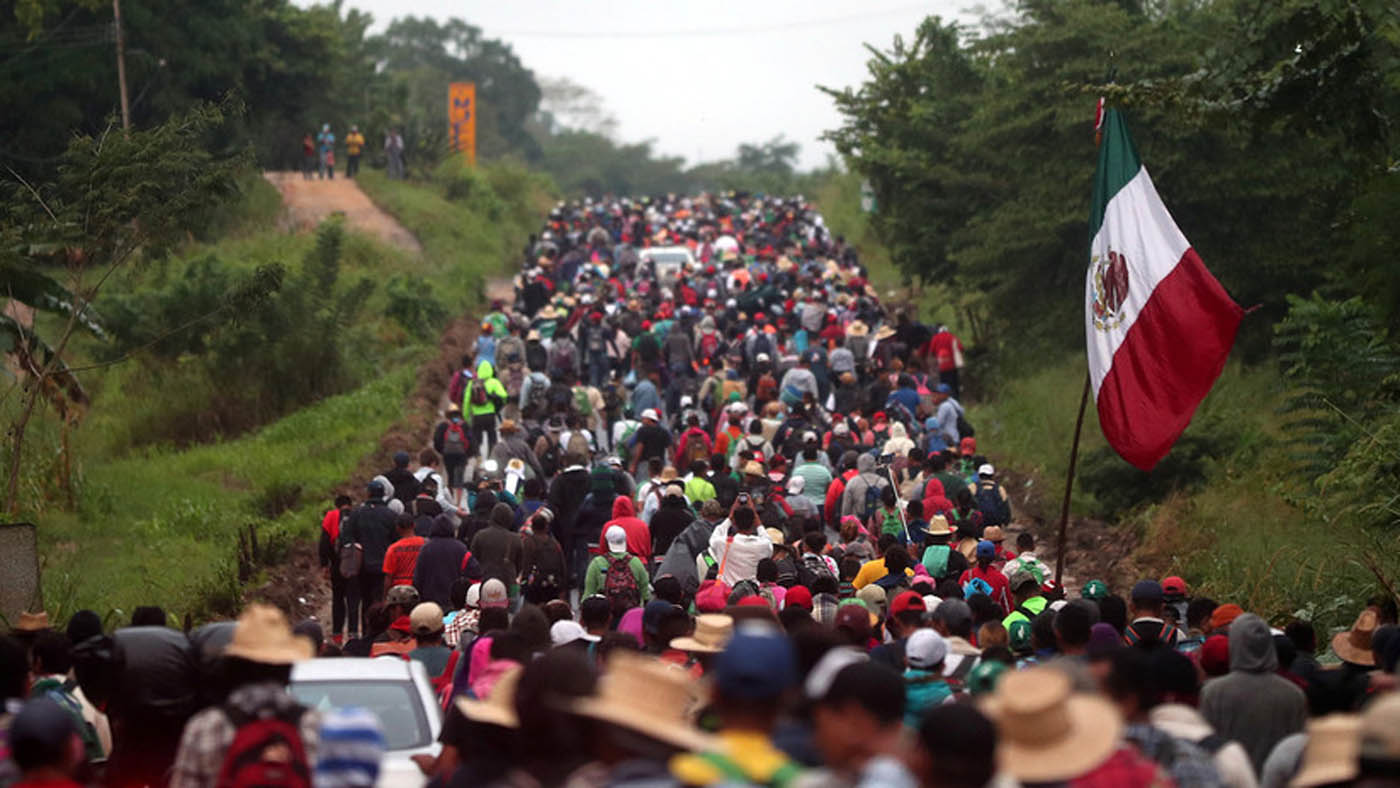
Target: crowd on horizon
701 510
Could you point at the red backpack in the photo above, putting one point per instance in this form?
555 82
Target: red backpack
620 585
266 751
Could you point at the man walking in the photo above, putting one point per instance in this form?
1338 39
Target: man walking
354 145
372 528
393 148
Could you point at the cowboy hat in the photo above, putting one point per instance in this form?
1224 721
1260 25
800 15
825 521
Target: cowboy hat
712 634
1331 753
938 526
263 635
547 313
33 622
857 328
1354 645
499 706
648 697
884 332
669 474
1048 733
994 534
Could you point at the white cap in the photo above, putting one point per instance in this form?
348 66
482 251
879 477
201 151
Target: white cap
616 538
841 428
650 413
795 485
925 648
567 631
824 672
987 470
686 401
761 357
1059 603
474 595
738 407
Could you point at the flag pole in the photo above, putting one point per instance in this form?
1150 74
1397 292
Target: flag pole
1069 482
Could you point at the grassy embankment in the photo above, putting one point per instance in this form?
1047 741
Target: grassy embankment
158 523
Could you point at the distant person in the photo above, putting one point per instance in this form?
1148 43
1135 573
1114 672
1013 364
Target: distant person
354 146
308 156
325 147
393 149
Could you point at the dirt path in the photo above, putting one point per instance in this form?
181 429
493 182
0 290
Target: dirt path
306 203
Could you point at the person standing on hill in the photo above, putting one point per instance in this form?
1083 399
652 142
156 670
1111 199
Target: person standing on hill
308 157
947 350
325 148
394 149
354 146
483 399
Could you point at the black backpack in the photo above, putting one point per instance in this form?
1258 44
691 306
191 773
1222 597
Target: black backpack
547 577
550 457
811 569
994 508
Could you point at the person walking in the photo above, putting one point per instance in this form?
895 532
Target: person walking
483 399
325 148
393 149
354 146
371 528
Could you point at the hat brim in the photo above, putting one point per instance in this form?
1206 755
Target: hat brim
1094 729
273 655
1350 653
691 644
665 731
489 713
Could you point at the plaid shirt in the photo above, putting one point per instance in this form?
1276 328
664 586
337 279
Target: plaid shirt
824 608
209 733
1187 763
465 621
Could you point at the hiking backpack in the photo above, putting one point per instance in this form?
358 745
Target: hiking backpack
549 458
620 585
812 569
994 508
454 439
478 393
767 388
539 392
559 399
546 578
266 751
762 344
563 356
458 387
871 504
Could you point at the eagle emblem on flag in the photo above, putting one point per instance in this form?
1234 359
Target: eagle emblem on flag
1110 290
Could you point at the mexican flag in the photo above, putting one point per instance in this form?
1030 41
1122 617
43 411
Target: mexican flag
1158 325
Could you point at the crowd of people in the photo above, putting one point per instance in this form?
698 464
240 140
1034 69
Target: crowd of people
318 153
701 510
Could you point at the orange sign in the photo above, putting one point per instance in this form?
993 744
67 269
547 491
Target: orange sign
461 117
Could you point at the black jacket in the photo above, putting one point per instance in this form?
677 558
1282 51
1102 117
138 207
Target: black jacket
566 494
372 526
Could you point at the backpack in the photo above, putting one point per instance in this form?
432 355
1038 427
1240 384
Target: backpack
995 510
872 501
812 569
539 392
583 406
620 585
266 751
965 429
694 449
458 387
563 356
762 344
454 439
546 577
478 394
351 560
549 458
559 398
767 388
709 345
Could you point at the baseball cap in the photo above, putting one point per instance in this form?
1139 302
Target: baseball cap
405 595
954 613
856 618
567 631
907 600
42 729
798 596
650 413
944 388
1174 586
758 664
653 613
1094 589
616 538
1146 591
874 598
473 595
1019 635
986 549
983 678
841 428
967 446
402 624
1020 575
426 619
986 470
493 593
925 648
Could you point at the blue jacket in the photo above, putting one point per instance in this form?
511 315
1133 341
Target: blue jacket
923 689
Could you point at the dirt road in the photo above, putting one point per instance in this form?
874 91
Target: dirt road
306 203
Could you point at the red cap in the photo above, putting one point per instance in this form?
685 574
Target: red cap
646 325
798 596
596 317
908 600
402 624
967 446
1174 585
879 416
753 601
1215 655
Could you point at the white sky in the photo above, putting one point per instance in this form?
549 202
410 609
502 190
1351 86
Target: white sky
698 77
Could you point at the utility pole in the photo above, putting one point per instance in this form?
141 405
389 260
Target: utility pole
121 63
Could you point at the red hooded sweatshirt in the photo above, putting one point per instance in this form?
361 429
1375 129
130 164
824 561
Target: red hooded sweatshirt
638 534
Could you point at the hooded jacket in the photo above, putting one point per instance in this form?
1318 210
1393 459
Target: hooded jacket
372 527
1252 704
495 392
440 563
853 499
638 534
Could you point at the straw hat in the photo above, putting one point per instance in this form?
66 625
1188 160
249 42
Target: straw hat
669 474
547 313
774 535
712 634
1047 732
884 332
857 328
508 426
33 622
753 469
994 534
1334 745
499 706
1354 645
938 526
648 697
263 635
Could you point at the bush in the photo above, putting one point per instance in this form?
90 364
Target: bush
413 305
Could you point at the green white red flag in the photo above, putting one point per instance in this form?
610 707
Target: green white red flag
1159 327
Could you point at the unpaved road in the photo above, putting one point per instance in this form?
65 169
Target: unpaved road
306 203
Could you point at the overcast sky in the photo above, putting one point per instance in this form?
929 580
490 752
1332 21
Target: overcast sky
698 77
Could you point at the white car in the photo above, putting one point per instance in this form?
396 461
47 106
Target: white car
669 262
398 692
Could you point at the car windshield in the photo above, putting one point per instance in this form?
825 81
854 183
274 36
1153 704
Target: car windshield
671 258
395 703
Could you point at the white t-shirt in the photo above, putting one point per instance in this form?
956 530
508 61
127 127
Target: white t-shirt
744 553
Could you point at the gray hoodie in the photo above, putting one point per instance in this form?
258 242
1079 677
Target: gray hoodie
1252 704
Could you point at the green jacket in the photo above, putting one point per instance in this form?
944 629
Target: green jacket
495 392
598 572
1036 605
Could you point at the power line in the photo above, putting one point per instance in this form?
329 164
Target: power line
719 31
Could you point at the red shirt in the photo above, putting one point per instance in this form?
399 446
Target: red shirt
331 525
942 347
1001 592
401 559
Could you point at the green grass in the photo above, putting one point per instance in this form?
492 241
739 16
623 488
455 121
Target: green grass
160 527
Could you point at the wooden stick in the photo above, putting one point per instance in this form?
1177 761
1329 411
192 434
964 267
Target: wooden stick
1069 482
